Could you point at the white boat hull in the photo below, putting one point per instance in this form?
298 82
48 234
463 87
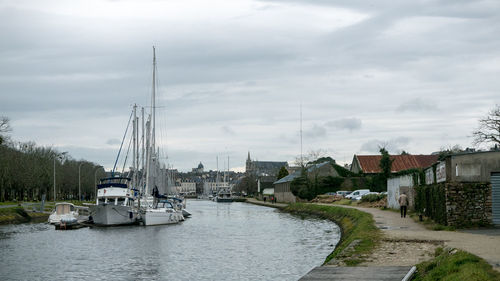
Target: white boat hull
67 218
108 215
161 216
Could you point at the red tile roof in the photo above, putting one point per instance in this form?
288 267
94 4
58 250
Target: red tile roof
371 163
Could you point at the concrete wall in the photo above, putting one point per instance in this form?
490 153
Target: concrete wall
396 186
283 193
472 167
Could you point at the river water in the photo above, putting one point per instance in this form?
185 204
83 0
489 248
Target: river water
221 241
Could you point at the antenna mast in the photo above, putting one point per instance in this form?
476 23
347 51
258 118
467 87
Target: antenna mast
301 157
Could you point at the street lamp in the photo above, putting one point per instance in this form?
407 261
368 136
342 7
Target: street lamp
95 179
58 157
79 183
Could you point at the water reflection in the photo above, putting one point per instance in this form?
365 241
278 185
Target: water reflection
221 241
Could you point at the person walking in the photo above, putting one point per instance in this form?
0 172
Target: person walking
155 194
403 204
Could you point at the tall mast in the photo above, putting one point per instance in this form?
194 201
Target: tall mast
217 178
143 146
153 101
148 154
301 157
134 153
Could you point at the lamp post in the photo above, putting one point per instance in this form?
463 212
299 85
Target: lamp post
95 179
79 183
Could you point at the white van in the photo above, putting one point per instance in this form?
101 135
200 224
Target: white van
357 194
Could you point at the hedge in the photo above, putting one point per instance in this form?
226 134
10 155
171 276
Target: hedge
430 200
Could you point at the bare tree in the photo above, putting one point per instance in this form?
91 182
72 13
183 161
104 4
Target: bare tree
312 155
4 127
489 128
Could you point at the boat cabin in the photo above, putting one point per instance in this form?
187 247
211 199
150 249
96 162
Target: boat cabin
114 191
64 208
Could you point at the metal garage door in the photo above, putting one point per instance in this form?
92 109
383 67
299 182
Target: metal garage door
495 192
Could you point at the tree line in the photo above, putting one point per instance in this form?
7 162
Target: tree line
27 172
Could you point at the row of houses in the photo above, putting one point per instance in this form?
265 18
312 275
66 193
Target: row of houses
469 182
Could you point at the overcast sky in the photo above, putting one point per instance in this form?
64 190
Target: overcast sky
411 75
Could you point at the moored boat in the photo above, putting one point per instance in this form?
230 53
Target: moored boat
224 196
64 213
162 212
114 204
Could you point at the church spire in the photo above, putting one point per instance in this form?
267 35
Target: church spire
248 159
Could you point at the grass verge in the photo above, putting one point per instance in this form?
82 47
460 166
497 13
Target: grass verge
19 215
451 264
356 226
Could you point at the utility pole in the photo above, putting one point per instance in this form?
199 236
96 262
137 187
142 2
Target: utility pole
301 157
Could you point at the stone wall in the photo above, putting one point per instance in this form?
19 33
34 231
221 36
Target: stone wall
468 203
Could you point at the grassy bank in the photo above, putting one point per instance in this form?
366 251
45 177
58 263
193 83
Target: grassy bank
356 226
455 265
19 215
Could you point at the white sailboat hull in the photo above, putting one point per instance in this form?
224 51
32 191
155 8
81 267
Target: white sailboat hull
161 216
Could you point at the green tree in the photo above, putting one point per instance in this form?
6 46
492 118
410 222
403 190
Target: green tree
385 162
385 165
283 172
248 184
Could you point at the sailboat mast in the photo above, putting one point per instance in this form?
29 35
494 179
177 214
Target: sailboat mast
217 178
301 157
153 102
134 151
143 146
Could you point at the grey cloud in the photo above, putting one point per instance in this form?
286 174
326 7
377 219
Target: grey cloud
345 123
315 132
228 130
394 145
113 141
417 105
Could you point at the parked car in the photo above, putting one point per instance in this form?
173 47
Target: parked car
343 193
357 194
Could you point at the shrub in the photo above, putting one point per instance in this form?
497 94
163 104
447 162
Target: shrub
373 197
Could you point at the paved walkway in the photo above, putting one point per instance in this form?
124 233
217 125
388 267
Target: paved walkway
379 273
268 204
483 243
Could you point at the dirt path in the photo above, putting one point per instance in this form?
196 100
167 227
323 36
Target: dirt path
408 242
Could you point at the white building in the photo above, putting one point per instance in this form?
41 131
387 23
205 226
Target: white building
188 188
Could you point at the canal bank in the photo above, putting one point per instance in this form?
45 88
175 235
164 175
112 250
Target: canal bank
18 214
359 235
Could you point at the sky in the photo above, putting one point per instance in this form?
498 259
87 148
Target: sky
235 76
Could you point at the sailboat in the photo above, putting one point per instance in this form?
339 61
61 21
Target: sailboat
157 209
223 194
